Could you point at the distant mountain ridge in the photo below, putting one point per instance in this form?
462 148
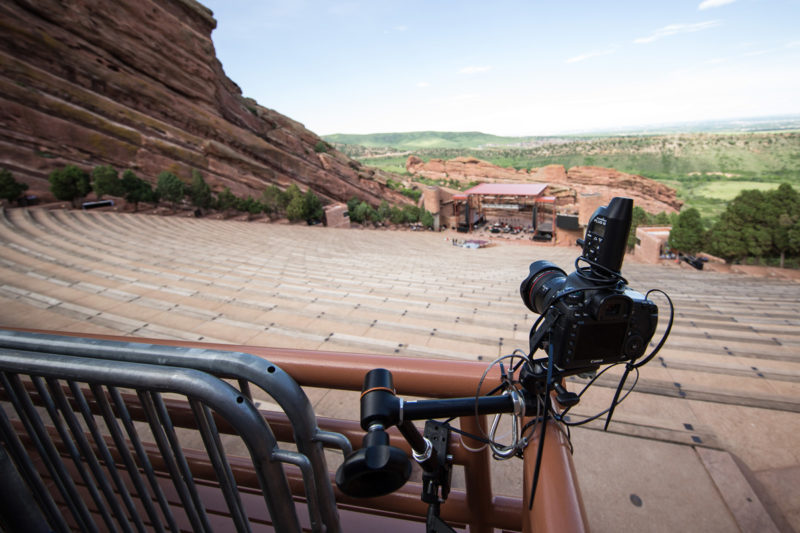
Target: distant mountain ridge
421 140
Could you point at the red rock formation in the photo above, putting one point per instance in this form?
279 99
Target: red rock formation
568 186
463 169
648 194
136 84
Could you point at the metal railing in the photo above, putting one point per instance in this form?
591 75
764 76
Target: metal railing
48 364
557 506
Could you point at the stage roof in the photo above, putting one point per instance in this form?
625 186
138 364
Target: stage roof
506 189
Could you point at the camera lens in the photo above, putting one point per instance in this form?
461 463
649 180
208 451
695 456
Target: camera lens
543 282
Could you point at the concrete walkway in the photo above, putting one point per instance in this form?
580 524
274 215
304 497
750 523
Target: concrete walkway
708 442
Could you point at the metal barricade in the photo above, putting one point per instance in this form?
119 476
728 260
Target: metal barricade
75 378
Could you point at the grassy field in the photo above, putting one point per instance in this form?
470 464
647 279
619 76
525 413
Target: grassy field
728 190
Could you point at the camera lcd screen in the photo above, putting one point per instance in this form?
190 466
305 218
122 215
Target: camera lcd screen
599 229
601 340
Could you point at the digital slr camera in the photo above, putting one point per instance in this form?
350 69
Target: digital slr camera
591 317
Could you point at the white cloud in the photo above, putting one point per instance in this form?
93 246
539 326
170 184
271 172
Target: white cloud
401 28
423 84
708 4
474 69
589 55
674 29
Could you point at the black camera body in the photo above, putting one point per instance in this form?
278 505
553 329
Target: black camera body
592 318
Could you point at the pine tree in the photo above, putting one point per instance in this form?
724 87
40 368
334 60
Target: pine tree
105 180
200 192
136 189
10 189
170 188
70 184
688 235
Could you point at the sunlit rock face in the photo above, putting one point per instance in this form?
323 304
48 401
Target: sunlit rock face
136 84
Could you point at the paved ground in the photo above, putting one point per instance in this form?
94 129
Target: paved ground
708 442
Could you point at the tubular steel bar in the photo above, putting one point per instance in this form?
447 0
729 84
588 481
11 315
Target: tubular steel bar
150 381
556 480
557 493
243 367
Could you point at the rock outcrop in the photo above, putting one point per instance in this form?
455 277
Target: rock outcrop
136 84
463 169
649 194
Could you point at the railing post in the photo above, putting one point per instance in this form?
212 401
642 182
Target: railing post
557 504
477 474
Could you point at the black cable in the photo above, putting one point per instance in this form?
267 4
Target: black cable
615 400
631 366
612 276
560 416
542 433
666 332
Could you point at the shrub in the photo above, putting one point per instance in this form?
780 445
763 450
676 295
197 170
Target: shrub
70 184
396 216
411 213
295 211
426 218
249 205
200 192
688 235
272 199
312 207
136 189
292 192
363 213
321 147
170 188
384 211
352 203
10 189
105 180
226 200
411 193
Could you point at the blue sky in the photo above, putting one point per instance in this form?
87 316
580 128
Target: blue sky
511 67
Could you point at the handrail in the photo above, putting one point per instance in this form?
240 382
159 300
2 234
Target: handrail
558 505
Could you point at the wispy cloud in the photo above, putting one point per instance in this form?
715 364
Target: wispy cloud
423 84
708 4
472 69
675 29
589 55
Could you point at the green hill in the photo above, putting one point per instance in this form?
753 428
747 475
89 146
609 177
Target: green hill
431 140
421 140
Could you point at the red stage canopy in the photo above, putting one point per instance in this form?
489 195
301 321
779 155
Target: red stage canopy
506 189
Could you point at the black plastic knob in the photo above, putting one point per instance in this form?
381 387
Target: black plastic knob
376 469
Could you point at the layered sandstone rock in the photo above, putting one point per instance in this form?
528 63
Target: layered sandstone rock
567 186
136 84
648 194
464 169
